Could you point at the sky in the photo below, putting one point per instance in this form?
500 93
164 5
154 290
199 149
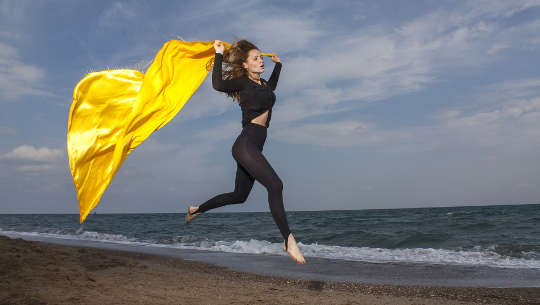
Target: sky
380 104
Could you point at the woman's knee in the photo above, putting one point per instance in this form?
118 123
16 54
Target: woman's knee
275 185
240 197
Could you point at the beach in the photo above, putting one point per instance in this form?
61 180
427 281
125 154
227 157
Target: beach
42 273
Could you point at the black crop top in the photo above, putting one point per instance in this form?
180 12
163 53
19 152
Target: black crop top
255 99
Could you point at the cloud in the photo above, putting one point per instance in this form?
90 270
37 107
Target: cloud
8 131
17 78
192 158
380 62
345 133
513 125
206 102
369 64
34 169
508 91
325 73
31 153
523 36
224 132
281 31
504 116
14 11
117 14
376 63
510 122
373 64
152 146
496 8
308 103
33 161
188 162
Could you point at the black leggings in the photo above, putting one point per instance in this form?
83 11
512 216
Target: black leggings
251 166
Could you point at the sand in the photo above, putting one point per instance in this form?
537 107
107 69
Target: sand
41 273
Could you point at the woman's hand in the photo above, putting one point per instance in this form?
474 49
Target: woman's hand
275 58
219 46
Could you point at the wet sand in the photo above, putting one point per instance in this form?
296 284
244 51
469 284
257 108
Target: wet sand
41 273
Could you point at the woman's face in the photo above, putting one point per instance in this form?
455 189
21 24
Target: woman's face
254 62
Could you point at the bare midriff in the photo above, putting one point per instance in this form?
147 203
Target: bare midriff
261 119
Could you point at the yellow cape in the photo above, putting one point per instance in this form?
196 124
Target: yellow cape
114 111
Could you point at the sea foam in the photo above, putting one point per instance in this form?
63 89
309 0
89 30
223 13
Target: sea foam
477 257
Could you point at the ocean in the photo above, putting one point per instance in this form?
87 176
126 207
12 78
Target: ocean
499 239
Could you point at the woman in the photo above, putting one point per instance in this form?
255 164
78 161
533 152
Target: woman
243 82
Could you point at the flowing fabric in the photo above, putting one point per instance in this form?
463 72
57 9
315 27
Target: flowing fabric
114 111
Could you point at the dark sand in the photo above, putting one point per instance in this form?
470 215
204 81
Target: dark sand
42 273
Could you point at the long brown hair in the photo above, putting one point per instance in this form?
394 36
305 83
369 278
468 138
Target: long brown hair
232 62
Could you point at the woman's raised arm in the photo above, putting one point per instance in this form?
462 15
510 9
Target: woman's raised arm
272 81
220 84
224 85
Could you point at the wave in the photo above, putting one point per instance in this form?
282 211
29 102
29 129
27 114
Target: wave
80 235
478 256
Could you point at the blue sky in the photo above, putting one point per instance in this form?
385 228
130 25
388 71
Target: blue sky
380 104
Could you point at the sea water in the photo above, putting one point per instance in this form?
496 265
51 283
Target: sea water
502 236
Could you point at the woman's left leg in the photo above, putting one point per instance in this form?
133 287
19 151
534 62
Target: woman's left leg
250 156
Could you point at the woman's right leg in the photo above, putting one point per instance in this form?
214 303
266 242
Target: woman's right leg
242 187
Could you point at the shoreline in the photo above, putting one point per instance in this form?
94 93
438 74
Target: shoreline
45 273
324 269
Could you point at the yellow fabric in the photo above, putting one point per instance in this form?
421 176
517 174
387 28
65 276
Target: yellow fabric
114 111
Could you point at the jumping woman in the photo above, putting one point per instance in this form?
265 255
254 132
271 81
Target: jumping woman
243 83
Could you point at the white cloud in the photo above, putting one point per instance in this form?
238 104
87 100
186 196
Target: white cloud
369 64
153 146
503 117
31 153
515 124
7 53
505 92
206 102
188 162
496 8
376 63
523 36
117 13
34 169
340 134
373 64
226 131
14 10
17 78
327 73
280 31
496 48
34 161
509 123
380 62
190 159
7 131
26 73
520 86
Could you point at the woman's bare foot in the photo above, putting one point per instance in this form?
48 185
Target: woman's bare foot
293 250
189 215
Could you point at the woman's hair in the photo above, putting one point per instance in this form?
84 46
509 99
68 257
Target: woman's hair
232 62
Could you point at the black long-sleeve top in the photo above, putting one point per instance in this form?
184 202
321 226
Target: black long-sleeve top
255 99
